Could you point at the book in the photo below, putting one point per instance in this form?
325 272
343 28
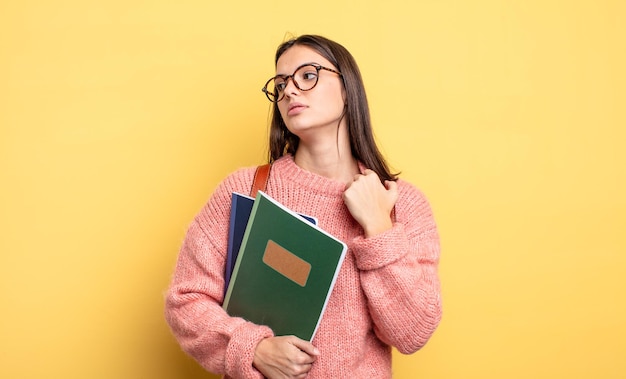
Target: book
241 207
285 271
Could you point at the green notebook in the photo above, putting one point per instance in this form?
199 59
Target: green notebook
285 271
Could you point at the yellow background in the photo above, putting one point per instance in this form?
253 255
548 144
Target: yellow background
119 118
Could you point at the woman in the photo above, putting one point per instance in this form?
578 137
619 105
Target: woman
325 164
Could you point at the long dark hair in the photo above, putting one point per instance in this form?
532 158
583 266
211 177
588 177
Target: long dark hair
357 114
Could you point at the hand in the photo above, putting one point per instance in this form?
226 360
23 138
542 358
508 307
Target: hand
371 203
284 357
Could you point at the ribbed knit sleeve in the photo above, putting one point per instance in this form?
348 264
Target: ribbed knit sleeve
220 343
398 270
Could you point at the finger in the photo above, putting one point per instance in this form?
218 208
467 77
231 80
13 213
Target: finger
305 346
307 359
391 185
302 369
371 174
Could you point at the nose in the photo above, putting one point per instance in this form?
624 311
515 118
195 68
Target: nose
290 86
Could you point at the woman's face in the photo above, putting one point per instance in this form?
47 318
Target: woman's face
318 108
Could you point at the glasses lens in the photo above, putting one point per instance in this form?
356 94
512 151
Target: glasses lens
306 77
270 90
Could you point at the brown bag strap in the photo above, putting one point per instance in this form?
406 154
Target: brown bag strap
261 176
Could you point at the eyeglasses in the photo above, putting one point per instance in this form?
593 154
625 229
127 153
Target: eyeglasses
304 78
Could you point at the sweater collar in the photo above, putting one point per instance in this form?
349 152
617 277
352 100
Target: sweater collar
288 170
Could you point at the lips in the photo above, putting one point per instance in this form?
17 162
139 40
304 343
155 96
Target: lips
295 108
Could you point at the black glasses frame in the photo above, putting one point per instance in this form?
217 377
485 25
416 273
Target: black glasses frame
279 96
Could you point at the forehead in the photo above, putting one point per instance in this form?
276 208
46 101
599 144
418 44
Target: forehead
296 56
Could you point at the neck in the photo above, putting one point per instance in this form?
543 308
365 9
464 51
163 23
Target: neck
330 158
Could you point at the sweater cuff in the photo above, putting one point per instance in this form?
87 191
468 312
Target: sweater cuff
240 350
380 250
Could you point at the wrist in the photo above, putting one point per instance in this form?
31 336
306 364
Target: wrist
258 353
379 227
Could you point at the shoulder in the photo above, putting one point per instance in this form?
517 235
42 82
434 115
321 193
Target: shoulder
412 202
409 192
218 205
239 180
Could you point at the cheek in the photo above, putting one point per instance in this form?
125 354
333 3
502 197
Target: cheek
282 109
337 97
335 102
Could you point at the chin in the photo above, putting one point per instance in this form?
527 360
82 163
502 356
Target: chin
297 127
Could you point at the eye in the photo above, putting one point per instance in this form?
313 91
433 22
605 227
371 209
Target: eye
280 84
309 74
306 73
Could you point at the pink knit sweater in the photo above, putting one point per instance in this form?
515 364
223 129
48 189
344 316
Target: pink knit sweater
387 292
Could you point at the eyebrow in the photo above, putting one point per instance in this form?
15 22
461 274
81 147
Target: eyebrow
300 65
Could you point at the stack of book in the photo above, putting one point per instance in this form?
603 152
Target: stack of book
281 267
